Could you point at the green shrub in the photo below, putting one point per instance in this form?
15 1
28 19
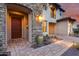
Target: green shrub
39 39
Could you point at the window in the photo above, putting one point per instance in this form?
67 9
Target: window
53 12
60 13
44 26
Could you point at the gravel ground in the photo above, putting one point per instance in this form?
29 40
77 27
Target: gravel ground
71 52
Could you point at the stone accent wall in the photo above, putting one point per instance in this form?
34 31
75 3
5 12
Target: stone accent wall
36 10
36 29
2 28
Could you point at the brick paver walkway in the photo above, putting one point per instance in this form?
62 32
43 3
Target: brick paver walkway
71 52
69 38
54 49
18 46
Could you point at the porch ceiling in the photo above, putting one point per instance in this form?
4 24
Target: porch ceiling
18 8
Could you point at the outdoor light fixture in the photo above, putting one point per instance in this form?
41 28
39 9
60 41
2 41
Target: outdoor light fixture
39 18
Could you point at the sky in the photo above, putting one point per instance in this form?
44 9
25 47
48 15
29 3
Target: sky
72 10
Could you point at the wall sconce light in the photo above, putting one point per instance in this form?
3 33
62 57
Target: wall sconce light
39 18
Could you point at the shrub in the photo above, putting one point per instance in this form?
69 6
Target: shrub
76 45
39 39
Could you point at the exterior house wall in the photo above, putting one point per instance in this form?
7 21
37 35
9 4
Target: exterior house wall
45 14
30 27
34 29
58 16
62 28
48 15
70 27
49 19
2 28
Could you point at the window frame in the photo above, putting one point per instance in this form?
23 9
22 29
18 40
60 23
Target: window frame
44 28
53 12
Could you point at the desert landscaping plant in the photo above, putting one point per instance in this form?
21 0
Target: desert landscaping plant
76 45
39 39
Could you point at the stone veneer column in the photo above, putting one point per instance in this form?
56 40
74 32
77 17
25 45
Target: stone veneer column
2 27
36 29
30 27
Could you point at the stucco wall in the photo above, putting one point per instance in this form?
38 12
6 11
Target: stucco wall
62 28
47 15
70 27
58 16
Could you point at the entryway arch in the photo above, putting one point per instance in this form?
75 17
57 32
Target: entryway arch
17 23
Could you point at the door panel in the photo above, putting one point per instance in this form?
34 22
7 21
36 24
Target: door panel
51 28
16 27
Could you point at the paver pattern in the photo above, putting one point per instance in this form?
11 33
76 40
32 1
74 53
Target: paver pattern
54 49
69 38
18 46
71 52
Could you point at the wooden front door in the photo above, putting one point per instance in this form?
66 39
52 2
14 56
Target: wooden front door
16 27
51 28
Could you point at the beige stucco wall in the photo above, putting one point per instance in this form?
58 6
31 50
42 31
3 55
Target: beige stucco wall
62 28
70 27
24 25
